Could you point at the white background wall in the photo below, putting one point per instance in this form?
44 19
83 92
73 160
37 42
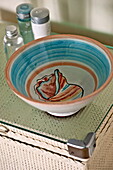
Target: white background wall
93 14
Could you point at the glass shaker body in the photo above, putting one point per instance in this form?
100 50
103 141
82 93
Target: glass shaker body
24 21
12 41
26 31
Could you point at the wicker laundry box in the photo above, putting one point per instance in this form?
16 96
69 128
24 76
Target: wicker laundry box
32 139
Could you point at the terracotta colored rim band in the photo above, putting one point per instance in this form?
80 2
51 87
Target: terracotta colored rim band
10 61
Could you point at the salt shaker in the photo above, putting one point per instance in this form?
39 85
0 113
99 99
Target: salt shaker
24 21
40 22
12 40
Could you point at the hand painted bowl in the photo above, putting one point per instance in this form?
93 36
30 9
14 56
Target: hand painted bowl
60 74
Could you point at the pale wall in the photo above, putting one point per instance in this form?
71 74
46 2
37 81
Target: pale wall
93 14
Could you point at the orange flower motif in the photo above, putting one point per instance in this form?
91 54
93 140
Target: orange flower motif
54 87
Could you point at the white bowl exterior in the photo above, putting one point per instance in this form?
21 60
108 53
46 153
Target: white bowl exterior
60 110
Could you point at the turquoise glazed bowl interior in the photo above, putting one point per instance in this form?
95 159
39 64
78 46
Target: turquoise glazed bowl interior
59 70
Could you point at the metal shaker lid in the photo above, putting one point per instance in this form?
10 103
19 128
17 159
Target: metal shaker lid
39 15
23 10
11 31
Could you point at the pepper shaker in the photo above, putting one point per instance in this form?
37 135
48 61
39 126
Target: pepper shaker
40 22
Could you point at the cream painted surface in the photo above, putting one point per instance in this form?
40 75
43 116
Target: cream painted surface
93 14
101 15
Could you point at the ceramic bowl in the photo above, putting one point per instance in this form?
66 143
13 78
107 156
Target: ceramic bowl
60 74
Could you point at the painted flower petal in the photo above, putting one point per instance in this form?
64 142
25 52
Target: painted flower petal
54 87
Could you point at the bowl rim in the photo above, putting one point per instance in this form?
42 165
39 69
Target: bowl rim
59 36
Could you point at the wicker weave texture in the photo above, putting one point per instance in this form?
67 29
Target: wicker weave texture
102 158
18 156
